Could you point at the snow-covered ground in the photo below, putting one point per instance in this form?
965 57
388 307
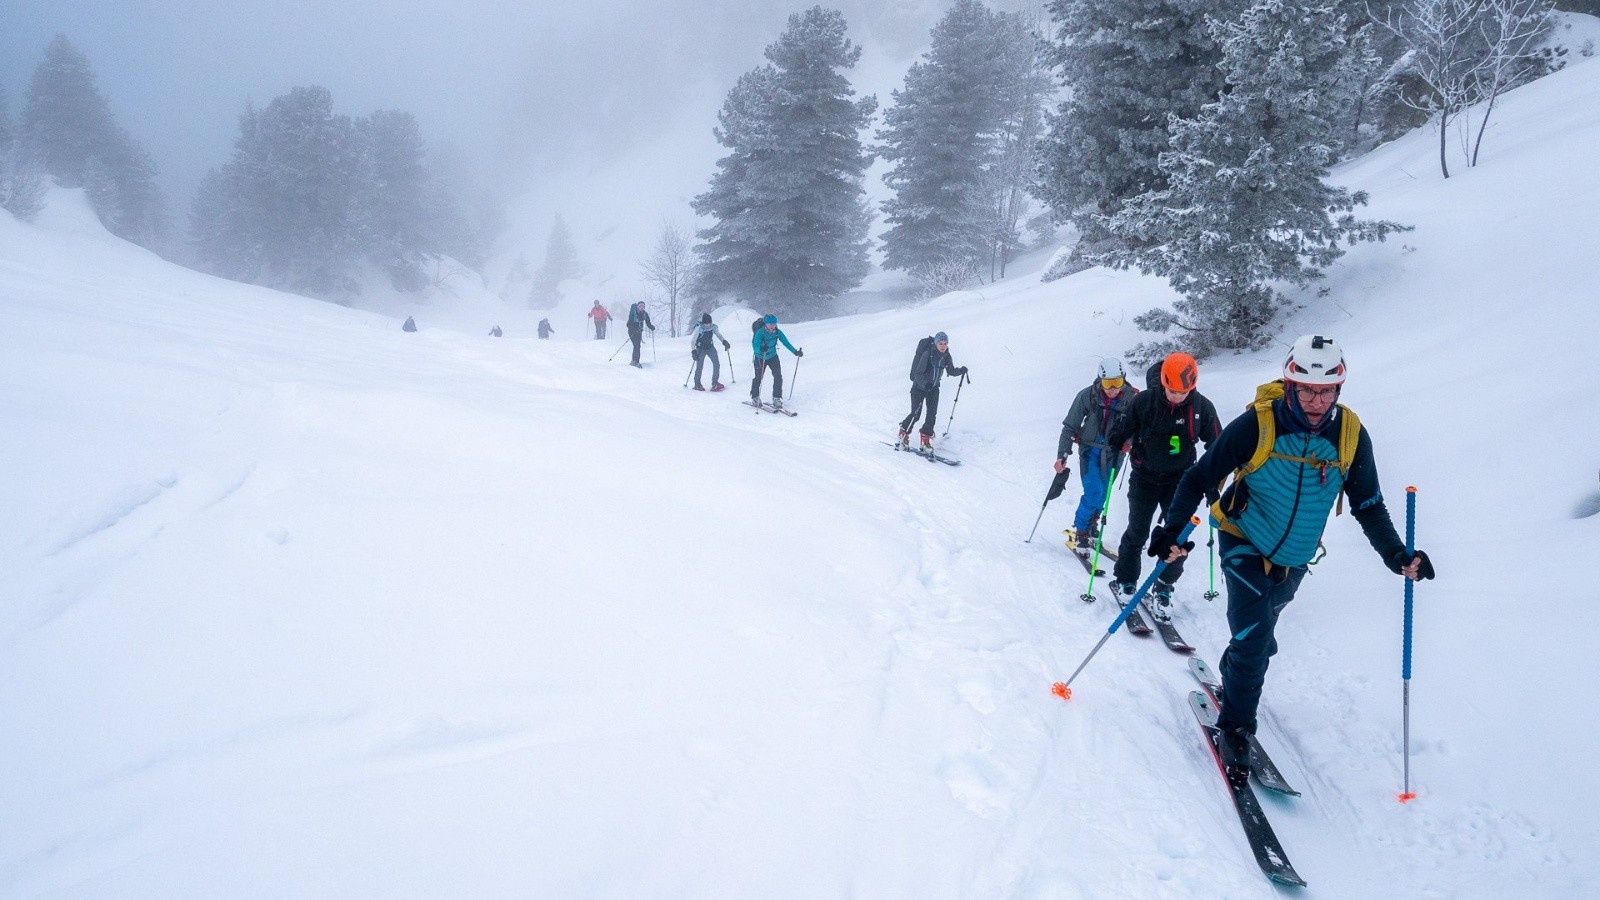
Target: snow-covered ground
295 604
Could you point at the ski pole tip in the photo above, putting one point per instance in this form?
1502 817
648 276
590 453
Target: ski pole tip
1408 796
1061 690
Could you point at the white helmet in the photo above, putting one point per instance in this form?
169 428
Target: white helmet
1314 359
1111 368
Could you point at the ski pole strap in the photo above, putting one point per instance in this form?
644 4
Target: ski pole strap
1411 552
1160 566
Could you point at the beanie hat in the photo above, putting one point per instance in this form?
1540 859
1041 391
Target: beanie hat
769 320
941 338
705 318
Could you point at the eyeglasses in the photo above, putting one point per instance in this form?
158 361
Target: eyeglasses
1307 395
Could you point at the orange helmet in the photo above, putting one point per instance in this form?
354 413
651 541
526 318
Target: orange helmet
1179 372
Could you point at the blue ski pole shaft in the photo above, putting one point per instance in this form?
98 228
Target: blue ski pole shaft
1405 665
1064 689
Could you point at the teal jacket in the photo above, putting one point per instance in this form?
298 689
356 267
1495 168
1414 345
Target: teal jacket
765 343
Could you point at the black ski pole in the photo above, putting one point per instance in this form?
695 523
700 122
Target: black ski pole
952 418
797 358
619 349
692 363
1058 485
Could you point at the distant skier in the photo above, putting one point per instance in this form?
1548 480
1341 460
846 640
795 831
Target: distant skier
545 329
929 364
410 325
1164 426
764 342
495 331
601 316
703 343
638 321
1291 455
1088 422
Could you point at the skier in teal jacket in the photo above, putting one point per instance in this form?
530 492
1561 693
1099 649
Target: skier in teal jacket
765 344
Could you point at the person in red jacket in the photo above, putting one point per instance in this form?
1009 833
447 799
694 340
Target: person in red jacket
601 316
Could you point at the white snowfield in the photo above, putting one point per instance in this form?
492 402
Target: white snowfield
294 604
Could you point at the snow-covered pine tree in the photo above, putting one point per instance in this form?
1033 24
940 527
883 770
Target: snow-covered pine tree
1128 66
791 217
21 177
560 263
68 127
393 198
939 137
1246 203
283 211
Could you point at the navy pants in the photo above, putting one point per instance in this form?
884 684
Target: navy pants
1257 595
700 364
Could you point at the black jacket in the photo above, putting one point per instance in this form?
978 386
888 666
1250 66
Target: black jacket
931 365
1165 436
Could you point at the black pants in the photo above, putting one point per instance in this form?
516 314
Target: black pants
1257 595
1145 494
763 365
638 341
599 329
918 398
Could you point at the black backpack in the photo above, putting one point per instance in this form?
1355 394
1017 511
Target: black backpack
923 346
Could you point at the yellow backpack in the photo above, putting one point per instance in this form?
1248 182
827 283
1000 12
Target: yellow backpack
1267 435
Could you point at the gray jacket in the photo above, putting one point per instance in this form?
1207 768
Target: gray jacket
1089 421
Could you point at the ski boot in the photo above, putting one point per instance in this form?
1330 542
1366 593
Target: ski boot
698 388
1161 608
777 403
927 442
718 386
903 442
1234 748
1122 590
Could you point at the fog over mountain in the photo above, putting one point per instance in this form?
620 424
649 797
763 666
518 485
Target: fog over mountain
525 96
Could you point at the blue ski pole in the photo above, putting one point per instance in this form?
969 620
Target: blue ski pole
1063 689
1405 667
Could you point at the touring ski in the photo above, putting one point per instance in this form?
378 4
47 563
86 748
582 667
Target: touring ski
1136 623
1261 765
1169 634
767 407
1257 830
928 455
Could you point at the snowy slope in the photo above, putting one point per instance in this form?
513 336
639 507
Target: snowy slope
295 604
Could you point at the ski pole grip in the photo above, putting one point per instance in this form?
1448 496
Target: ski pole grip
1161 565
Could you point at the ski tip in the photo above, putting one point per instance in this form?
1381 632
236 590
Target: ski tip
1061 690
1408 796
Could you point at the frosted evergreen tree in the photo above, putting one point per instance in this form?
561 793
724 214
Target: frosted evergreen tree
1129 65
1247 204
939 136
393 197
791 216
21 177
284 211
560 263
68 127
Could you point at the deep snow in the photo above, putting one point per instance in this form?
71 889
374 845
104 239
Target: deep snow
296 604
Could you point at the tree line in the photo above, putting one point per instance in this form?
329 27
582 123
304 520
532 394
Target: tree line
1191 139
309 200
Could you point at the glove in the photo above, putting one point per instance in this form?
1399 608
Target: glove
800 352
694 354
961 372
652 328
1163 539
726 345
1398 560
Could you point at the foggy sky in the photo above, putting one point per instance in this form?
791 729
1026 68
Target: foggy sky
513 87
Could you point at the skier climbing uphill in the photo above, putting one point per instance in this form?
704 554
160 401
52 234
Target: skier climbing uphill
765 342
929 365
1292 455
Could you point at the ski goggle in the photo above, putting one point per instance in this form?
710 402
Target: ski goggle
1112 384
